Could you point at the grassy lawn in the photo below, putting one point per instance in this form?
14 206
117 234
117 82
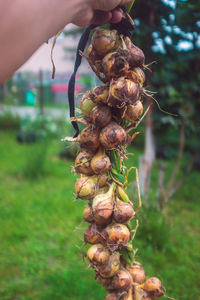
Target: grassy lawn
41 236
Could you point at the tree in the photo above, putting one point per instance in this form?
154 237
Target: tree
162 29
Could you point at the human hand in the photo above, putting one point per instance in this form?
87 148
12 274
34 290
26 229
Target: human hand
99 12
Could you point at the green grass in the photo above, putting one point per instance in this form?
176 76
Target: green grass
41 236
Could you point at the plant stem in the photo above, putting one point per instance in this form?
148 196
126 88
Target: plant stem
129 6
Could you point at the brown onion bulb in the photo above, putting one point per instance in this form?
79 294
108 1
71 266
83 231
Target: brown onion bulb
99 94
112 296
140 75
89 139
100 116
112 136
104 40
83 163
129 295
122 280
136 55
86 187
109 269
137 273
140 294
153 287
100 163
102 206
103 179
123 91
132 112
114 65
92 234
123 212
86 104
104 281
87 214
116 235
98 254
93 55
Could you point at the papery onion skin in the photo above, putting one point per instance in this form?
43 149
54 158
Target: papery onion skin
89 139
92 234
122 92
86 187
86 104
133 112
98 254
112 136
103 213
112 296
116 234
100 163
93 55
137 273
103 179
99 94
100 116
140 294
123 212
87 214
153 287
112 266
114 65
83 163
136 55
104 40
122 280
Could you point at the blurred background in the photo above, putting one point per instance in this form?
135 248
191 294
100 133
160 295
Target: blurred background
41 248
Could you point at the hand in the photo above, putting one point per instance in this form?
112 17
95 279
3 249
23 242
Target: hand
99 12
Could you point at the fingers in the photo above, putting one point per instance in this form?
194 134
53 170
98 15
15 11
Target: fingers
101 17
108 5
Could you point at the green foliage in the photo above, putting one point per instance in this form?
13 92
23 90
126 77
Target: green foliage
170 37
35 160
8 121
42 126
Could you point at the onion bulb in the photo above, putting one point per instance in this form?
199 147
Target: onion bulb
87 214
100 163
98 254
86 187
140 294
109 269
123 91
93 55
137 273
86 104
102 206
99 94
116 235
83 163
89 139
104 40
114 65
123 212
112 296
136 55
100 116
112 136
153 287
122 280
132 112
103 179
139 76
92 234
